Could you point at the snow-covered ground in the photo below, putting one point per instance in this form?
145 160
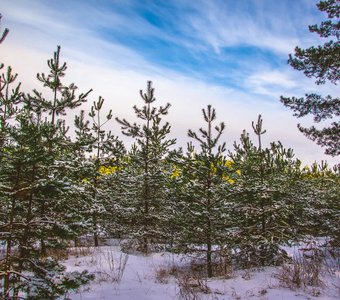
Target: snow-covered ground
135 276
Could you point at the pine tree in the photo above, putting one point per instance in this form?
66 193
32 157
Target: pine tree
265 199
27 161
200 194
144 175
99 153
36 190
9 102
321 63
62 98
319 192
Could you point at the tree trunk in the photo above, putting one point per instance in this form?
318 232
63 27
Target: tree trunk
95 233
209 260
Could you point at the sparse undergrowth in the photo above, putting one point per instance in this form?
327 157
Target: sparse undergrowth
184 277
309 268
109 265
190 278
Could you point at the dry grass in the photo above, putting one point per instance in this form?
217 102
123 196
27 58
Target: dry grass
81 251
162 275
302 272
191 287
110 267
57 253
116 266
190 278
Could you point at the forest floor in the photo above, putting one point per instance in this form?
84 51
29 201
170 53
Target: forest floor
167 276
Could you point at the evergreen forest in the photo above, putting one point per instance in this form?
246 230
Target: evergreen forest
63 182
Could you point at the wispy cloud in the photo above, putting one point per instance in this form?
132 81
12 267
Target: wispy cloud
271 83
231 54
263 24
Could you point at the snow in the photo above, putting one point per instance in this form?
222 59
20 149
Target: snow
134 276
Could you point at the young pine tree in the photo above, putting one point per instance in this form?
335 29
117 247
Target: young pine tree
265 199
37 193
54 104
200 194
144 176
10 99
98 155
319 191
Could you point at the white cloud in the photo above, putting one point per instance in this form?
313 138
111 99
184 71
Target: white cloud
187 96
223 24
272 83
117 73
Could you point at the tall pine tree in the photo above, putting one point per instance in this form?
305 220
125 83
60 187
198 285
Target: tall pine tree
201 194
145 174
321 63
37 192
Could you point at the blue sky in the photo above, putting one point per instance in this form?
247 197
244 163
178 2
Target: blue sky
231 54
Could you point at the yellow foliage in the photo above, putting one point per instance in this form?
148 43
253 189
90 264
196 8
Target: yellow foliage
176 172
213 168
107 170
85 180
229 163
316 171
228 179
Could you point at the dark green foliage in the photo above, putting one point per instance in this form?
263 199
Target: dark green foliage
319 191
93 174
63 97
265 200
143 178
48 280
59 155
323 64
36 191
200 197
54 189
9 99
